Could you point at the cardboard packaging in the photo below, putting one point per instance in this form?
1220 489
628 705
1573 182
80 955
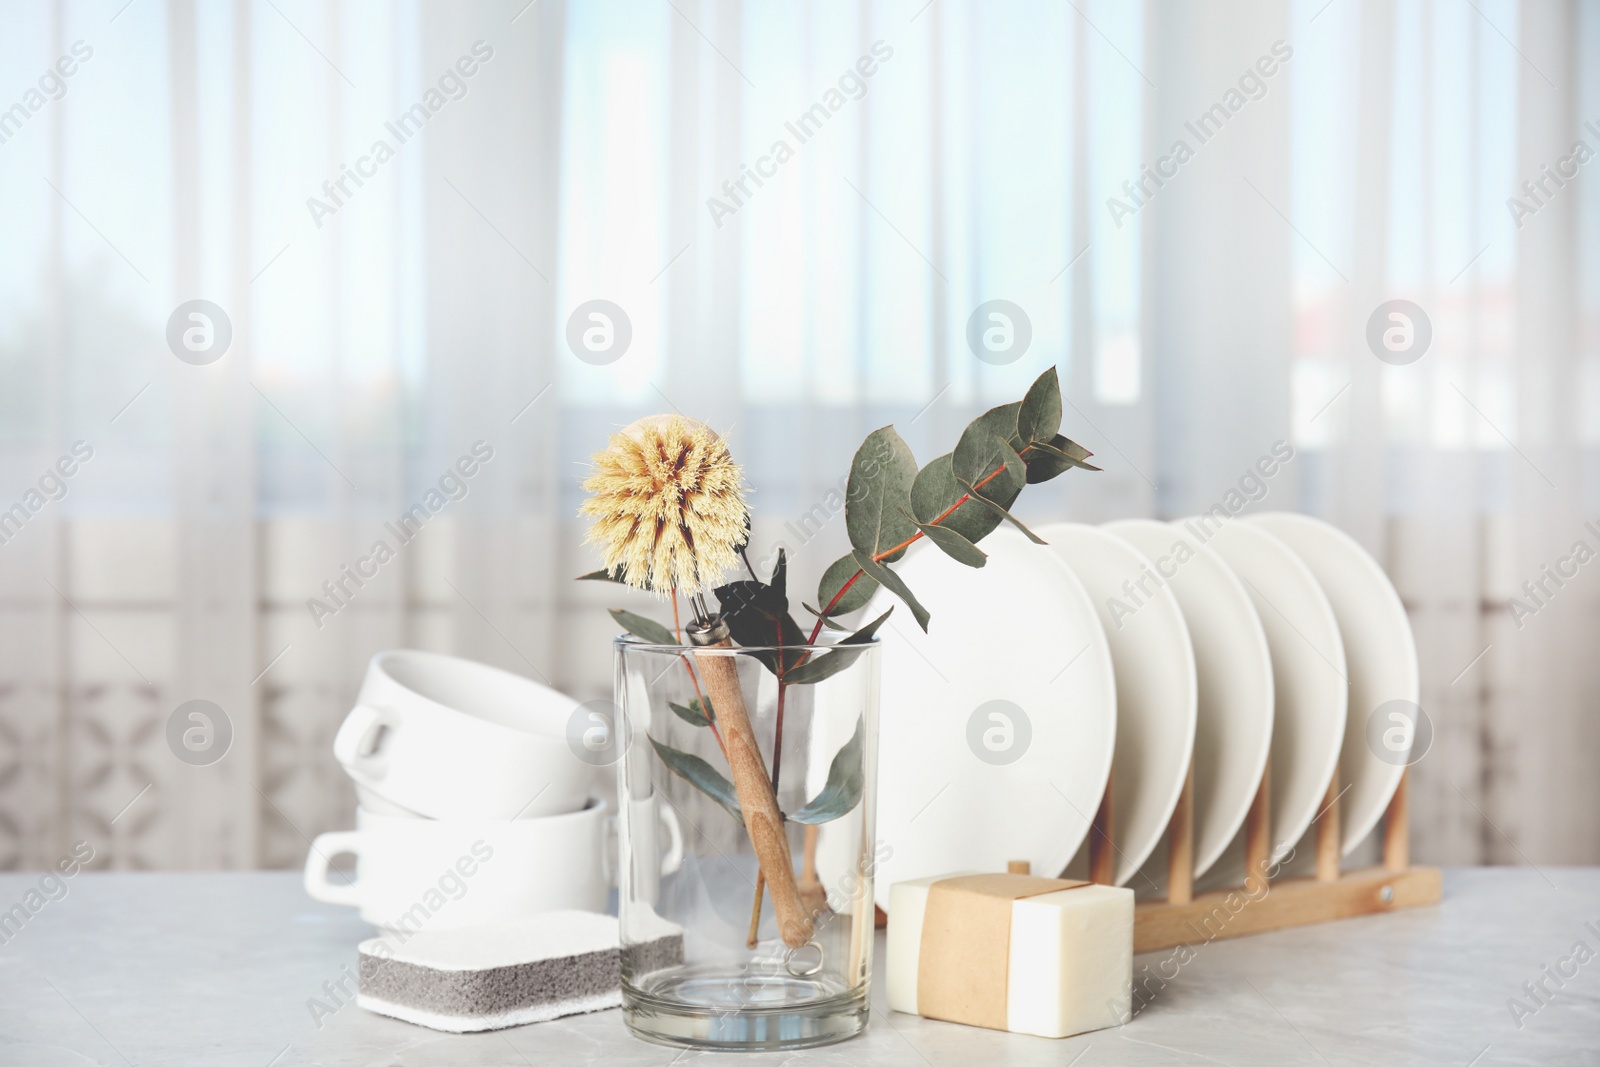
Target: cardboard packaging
1041 956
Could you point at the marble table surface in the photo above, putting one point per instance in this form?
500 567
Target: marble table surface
219 969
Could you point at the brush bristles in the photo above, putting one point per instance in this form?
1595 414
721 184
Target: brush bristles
667 505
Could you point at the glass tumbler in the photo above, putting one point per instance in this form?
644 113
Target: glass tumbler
704 963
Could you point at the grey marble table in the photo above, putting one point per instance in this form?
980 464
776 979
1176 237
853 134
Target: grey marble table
219 969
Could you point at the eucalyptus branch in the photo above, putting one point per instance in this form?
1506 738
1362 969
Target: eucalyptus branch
903 545
954 501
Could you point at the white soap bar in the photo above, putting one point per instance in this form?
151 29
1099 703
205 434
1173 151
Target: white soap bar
1070 965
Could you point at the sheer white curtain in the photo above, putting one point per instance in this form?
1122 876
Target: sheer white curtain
1380 168
394 309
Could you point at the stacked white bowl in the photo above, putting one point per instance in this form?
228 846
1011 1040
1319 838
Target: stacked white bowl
473 806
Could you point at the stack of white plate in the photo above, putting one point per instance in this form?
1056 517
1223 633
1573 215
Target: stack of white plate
1123 653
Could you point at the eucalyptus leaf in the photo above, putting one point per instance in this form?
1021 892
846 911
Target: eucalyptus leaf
780 578
954 545
826 621
700 774
936 491
838 573
827 664
649 630
603 575
896 585
1046 459
749 595
696 713
1067 449
984 459
1035 538
757 614
1002 422
842 791
879 492
1039 418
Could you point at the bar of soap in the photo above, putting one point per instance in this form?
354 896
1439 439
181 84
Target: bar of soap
1069 964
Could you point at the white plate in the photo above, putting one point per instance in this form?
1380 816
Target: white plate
1156 690
1233 730
1380 653
1308 669
1021 630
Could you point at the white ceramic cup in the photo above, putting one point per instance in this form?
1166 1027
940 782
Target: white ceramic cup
441 874
377 805
443 738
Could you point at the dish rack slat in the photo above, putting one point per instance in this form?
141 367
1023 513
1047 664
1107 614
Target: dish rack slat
1185 917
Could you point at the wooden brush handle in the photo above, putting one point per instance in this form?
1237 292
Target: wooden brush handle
762 819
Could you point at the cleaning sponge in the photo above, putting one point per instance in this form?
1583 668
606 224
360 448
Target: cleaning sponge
502 974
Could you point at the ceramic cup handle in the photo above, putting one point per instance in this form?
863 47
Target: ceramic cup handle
353 744
319 860
674 857
670 863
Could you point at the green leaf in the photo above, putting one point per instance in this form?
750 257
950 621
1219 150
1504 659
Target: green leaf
1067 449
855 598
895 584
1035 538
826 621
827 664
842 792
757 614
879 492
1046 459
649 630
977 457
1002 422
696 713
954 545
980 453
780 578
603 575
700 774
936 490
1040 415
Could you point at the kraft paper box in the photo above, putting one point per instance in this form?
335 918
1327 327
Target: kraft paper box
1038 956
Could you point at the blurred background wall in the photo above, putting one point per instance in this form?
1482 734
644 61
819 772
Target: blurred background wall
391 308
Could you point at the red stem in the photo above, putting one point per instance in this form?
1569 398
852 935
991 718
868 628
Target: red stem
777 741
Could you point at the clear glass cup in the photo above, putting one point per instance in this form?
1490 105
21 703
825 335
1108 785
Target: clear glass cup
692 973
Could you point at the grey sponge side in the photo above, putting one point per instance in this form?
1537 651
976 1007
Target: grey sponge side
493 990
646 957
506 974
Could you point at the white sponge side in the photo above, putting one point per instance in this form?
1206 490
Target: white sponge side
503 944
471 1024
504 974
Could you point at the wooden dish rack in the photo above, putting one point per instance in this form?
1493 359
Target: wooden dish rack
1184 918
1331 893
